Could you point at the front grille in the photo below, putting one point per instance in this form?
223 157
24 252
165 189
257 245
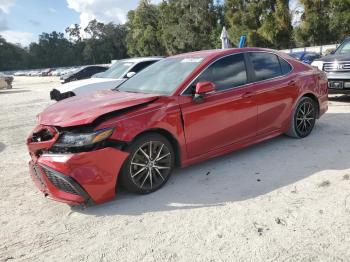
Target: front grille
60 182
37 174
337 67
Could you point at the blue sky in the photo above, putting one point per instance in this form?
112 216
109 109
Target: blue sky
37 16
21 21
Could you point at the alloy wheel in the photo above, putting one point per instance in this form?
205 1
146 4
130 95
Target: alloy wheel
151 165
305 118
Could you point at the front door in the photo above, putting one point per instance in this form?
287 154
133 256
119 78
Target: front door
226 116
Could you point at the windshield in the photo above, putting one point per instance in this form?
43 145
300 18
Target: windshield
117 70
162 77
344 48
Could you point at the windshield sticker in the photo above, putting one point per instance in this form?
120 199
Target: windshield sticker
192 60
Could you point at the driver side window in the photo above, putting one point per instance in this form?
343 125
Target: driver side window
226 73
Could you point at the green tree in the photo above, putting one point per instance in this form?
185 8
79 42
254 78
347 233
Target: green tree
52 50
266 23
12 56
340 18
314 28
105 42
277 29
143 31
246 18
188 25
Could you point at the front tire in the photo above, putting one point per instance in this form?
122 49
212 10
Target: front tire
303 119
149 165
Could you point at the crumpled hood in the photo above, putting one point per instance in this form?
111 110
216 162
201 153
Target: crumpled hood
89 85
335 57
82 110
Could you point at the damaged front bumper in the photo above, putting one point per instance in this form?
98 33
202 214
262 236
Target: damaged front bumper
78 179
85 178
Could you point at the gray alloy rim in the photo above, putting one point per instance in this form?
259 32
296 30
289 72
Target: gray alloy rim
150 166
305 118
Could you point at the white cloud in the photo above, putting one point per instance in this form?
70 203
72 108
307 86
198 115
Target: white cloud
103 10
16 37
6 4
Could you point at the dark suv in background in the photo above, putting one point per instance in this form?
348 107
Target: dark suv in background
337 68
83 73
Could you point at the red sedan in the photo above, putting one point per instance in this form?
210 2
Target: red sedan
179 111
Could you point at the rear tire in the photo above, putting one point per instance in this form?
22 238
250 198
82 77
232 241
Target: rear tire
149 165
303 118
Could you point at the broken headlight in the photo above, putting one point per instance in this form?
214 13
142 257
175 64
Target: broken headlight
75 140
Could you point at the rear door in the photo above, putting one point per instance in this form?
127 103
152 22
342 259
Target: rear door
276 90
225 116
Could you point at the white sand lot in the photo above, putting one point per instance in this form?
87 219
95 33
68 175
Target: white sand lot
282 200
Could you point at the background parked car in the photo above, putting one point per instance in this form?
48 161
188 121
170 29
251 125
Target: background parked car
83 73
5 81
337 67
118 73
306 57
46 72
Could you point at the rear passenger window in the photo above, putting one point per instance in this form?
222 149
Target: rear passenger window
285 66
265 65
226 73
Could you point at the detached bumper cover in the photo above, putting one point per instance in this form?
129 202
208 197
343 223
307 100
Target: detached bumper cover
58 96
85 178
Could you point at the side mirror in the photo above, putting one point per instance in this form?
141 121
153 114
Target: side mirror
203 88
130 75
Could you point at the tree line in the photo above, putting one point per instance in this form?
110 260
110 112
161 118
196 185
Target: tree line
177 26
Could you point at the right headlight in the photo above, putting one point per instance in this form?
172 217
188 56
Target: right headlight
318 64
83 139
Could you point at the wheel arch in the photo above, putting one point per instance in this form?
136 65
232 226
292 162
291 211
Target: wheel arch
174 142
315 99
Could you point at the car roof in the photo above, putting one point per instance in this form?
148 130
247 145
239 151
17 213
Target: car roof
210 54
83 67
142 59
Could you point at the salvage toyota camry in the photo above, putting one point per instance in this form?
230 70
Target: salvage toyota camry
179 111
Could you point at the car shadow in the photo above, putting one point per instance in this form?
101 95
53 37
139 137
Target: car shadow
13 91
339 98
244 174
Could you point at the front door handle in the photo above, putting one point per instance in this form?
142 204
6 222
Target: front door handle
248 94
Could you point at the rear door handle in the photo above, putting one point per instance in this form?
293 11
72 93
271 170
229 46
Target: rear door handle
248 94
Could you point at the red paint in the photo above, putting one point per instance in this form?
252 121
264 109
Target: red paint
223 122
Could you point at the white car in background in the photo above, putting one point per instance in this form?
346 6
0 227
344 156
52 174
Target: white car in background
117 74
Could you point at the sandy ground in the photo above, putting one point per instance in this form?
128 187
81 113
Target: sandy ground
282 200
